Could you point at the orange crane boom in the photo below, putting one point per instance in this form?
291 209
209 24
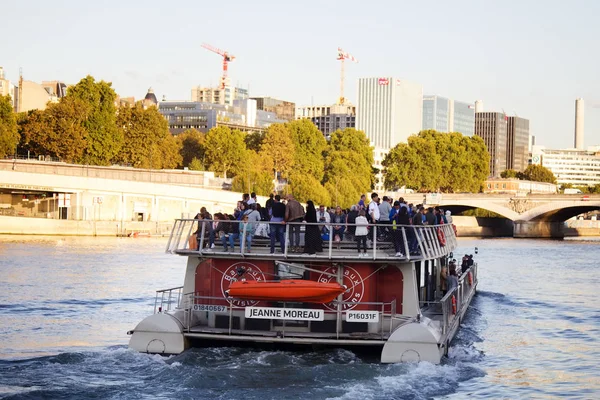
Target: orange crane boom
226 59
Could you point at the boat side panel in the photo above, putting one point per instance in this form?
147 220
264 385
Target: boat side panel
389 286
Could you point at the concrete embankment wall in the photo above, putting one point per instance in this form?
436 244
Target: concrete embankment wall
482 227
57 227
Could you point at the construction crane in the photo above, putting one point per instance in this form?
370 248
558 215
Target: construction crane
226 59
343 56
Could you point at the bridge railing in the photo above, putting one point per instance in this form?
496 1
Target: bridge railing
231 239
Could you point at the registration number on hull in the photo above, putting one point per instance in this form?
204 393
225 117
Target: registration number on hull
209 308
362 316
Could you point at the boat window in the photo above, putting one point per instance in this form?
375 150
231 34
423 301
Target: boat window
289 272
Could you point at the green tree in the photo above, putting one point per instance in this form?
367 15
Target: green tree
147 141
509 173
306 187
104 139
538 173
192 147
256 175
196 165
278 148
310 145
225 151
9 135
254 141
434 161
348 166
58 131
479 157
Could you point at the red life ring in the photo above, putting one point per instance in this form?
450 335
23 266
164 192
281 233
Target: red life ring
470 278
441 237
453 304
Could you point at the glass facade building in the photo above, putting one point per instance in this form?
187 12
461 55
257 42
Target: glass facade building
447 115
463 118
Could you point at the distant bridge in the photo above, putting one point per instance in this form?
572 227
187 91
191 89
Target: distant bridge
533 215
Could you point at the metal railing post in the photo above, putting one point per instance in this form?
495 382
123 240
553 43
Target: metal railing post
188 236
230 317
418 238
381 319
286 239
406 248
330 240
374 241
243 241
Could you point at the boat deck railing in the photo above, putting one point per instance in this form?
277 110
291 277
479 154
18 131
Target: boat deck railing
167 299
197 308
385 243
458 298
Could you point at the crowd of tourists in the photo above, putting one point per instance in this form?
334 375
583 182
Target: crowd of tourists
379 219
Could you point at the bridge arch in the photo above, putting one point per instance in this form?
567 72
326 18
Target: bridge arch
559 212
457 206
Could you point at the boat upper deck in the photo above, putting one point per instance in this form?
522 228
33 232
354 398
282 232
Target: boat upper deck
385 243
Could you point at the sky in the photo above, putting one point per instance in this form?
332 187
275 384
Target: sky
524 57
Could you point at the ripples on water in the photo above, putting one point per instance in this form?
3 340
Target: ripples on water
65 305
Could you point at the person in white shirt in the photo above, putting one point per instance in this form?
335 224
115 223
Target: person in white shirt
252 199
374 208
323 216
361 233
449 216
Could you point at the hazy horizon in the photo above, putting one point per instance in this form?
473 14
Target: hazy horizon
529 59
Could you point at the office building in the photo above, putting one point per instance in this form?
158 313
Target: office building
7 88
517 143
285 110
243 115
217 95
447 115
570 166
436 113
389 110
492 128
329 118
462 117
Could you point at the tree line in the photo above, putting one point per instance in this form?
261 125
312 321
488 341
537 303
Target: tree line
296 152
533 172
432 161
86 127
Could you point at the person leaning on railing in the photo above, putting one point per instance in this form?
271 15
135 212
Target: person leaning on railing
294 212
204 219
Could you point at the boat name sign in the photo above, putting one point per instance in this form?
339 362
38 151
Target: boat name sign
299 314
209 307
362 316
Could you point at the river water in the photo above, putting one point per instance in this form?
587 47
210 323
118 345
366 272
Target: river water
66 304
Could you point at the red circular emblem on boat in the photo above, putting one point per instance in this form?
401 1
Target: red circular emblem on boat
249 272
352 280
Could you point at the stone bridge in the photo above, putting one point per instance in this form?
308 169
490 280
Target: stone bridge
532 215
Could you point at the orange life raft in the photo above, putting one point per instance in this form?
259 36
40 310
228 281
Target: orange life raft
286 290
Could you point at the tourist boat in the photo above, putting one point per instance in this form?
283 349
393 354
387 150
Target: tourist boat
291 290
334 298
